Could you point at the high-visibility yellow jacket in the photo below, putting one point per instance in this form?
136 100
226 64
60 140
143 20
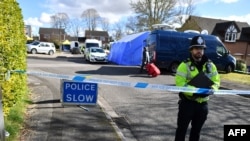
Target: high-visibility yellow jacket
186 72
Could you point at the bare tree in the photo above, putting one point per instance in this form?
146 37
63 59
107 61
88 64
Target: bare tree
105 24
118 30
132 24
60 20
186 8
91 18
75 27
151 12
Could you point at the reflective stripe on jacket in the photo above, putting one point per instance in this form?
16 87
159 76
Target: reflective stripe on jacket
185 72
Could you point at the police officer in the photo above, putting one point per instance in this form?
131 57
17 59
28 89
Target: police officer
145 58
194 107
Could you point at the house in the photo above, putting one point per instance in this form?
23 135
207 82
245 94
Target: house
99 35
28 31
81 40
52 34
235 35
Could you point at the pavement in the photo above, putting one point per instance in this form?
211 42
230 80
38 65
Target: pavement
98 125
47 119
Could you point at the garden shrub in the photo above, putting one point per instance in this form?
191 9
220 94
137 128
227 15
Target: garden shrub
241 65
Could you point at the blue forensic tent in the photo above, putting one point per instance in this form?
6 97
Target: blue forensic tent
128 50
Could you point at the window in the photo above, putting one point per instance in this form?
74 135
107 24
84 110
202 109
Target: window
46 36
97 50
42 45
102 38
220 49
47 45
35 43
231 34
151 41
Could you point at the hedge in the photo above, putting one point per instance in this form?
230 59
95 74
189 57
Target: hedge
12 53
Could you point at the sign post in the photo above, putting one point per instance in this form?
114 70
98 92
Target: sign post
78 93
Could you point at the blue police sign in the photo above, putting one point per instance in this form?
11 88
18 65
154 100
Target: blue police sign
79 93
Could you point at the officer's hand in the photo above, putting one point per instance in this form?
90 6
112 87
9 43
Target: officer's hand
207 93
210 92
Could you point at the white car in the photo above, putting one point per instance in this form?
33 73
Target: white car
41 47
96 54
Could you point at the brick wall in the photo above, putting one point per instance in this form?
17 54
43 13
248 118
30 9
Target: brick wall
239 48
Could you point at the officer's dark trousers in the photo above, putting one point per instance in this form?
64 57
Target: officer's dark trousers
190 111
143 65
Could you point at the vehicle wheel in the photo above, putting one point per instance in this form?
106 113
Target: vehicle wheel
51 52
33 51
173 67
228 69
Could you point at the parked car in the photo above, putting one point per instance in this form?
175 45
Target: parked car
41 47
95 54
76 50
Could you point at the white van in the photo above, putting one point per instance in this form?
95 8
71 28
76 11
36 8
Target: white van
92 43
41 47
74 44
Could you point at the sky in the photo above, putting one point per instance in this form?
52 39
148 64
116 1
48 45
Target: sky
37 12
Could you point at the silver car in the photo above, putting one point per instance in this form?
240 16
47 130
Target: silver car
95 54
41 47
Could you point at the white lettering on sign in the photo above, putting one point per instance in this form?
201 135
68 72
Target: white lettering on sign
235 132
80 98
80 86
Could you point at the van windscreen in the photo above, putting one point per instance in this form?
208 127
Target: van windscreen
88 45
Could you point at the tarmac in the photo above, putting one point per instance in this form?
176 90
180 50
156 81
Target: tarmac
92 127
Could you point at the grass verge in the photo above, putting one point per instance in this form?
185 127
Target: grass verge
236 77
15 120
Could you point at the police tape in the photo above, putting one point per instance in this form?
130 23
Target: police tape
139 85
